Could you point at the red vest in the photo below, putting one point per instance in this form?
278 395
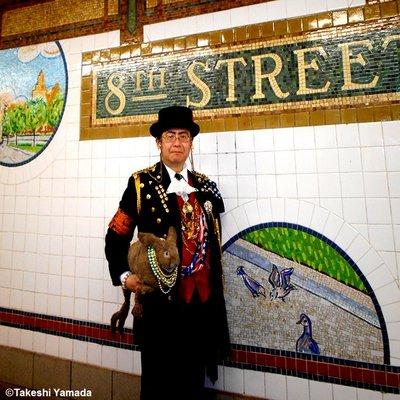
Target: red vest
200 279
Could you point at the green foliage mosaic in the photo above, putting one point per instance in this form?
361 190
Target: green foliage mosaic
307 250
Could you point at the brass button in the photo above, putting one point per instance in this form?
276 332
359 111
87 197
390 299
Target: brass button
153 209
148 196
142 185
158 220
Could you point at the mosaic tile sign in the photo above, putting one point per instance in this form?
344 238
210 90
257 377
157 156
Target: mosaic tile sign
289 289
33 82
255 77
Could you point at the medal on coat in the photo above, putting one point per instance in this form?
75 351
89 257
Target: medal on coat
208 207
187 208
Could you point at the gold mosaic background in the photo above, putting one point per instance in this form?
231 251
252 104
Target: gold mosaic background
43 21
326 25
22 22
164 10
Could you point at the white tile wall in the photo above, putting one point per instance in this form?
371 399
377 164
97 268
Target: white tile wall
233 380
276 387
125 360
254 383
268 11
94 354
297 388
320 390
389 396
54 212
344 392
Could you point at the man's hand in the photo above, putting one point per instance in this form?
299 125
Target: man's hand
133 283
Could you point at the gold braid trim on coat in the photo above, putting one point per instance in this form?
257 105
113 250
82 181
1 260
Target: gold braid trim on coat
136 177
217 230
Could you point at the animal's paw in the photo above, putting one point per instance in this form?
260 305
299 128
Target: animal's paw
137 310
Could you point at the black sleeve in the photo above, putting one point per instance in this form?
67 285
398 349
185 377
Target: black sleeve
120 232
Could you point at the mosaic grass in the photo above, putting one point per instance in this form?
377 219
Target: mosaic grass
307 250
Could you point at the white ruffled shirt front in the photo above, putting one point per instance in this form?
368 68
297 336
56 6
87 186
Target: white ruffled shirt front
180 187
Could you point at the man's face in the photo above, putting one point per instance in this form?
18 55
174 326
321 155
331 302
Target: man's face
175 147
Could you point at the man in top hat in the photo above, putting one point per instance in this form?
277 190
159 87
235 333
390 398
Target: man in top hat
182 335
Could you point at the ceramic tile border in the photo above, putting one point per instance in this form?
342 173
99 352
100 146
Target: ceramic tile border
378 377
327 24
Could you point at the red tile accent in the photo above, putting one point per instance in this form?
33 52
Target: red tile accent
280 362
128 339
380 377
30 321
301 365
393 379
313 367
241 356
57 326
79 330
251 357
67 327
96 333
334 370
265 360
345 372
291 364
356 374
18 319
46 324
368 376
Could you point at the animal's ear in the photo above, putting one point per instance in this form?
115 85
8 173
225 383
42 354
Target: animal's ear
147 238
171 234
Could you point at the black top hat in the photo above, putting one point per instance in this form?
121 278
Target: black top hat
174 117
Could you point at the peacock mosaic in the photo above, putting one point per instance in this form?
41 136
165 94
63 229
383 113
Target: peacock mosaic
288 289
33 83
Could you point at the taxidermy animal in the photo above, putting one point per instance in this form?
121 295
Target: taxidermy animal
155 261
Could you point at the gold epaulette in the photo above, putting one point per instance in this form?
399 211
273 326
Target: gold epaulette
138 185
148 169
200 176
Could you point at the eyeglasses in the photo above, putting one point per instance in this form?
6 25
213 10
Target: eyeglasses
170 137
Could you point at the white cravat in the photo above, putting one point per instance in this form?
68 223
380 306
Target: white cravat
180 187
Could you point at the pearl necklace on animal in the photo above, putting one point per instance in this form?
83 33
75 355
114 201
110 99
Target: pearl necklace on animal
164 279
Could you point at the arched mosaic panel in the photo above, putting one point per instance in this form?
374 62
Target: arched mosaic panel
290 288
33 89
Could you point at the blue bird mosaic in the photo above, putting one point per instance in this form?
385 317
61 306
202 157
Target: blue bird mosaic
305 343
255 288
280 281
